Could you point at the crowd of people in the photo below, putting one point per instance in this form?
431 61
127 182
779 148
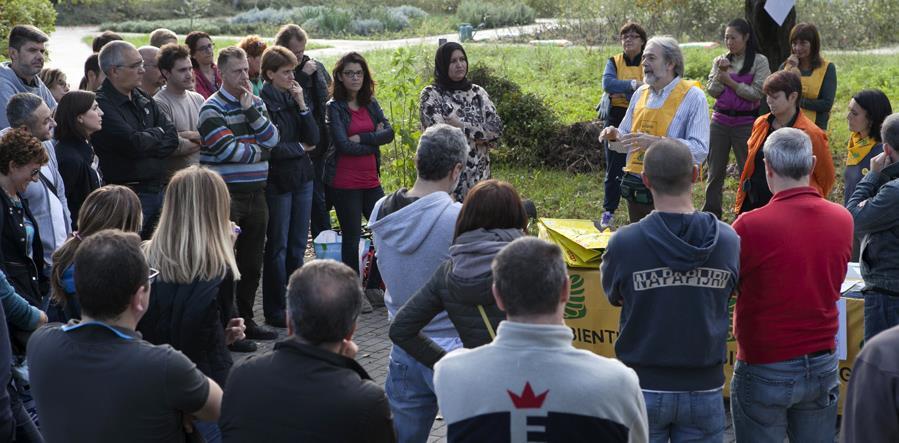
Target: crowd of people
141 211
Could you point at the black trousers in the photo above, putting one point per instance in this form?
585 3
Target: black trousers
351 205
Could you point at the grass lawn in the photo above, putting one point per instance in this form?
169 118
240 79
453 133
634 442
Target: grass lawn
568 79
139 40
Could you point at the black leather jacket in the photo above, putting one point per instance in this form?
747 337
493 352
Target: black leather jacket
289 166
338 119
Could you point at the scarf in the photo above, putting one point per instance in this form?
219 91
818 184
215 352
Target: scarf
442 65
858 148
473 251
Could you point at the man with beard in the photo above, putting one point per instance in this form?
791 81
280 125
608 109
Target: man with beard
665 106
181 104
27 51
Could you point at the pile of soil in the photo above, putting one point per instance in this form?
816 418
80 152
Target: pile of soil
576 148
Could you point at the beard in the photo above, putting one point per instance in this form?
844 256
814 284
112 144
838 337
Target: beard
649 78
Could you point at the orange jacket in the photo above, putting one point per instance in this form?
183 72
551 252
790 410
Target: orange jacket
823 176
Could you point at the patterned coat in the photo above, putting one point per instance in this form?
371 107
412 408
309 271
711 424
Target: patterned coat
474 113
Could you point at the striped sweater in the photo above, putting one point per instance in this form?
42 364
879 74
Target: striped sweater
236 143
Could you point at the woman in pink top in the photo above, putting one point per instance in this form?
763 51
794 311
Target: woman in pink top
202 53
358 128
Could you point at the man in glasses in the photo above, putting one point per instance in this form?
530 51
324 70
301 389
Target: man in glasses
47 195
136 137
132 390
27 53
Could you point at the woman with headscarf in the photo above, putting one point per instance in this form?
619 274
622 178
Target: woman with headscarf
454 100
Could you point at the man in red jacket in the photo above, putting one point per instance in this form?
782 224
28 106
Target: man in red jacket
793 258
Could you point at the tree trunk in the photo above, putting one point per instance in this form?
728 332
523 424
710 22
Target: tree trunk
774 40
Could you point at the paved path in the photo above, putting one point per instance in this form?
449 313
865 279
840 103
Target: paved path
68 51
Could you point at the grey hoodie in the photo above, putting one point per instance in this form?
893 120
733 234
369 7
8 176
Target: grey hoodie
411 243
11 84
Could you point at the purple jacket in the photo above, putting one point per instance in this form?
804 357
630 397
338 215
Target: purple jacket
733 110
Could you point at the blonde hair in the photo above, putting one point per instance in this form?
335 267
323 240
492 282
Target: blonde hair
109 207
192 241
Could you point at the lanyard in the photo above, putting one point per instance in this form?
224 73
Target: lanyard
115 331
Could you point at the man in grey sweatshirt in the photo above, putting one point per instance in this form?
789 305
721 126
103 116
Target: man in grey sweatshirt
530 383
412 232
46 196
26 53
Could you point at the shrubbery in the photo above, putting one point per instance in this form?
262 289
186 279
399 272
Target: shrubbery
494 15
320 20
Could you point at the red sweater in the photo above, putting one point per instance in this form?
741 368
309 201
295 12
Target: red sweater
793 257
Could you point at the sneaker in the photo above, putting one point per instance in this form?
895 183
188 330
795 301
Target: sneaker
256 332
606 221
242 346
276 322
375 296
366 305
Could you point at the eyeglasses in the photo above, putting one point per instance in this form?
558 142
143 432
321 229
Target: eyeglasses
354 74
35 173
135 65
153 274
207 48
630 36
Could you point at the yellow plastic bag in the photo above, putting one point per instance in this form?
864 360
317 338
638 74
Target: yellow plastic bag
581 243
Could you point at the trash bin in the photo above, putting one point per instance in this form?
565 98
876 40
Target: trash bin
466 32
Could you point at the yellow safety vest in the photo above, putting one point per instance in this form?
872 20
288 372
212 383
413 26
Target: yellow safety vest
811 87
654 121
858 148
625 72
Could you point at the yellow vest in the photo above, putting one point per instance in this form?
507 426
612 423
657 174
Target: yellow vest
654 121
625 72
858 148
811 87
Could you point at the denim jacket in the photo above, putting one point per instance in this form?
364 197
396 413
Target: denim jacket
338 120
877 221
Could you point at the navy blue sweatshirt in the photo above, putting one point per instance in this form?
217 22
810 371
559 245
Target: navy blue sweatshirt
673 275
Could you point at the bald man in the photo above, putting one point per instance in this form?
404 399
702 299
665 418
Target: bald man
152 79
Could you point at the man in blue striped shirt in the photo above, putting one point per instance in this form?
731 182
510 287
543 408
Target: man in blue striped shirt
665 106
237 140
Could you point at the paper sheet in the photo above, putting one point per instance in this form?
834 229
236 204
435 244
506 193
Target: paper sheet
779 9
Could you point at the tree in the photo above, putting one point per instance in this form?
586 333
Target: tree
39 13
774 40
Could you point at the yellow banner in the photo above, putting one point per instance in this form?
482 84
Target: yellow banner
595 325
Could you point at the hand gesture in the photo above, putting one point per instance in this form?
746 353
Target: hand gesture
355 138
235 330
246 98
723 63
880 161
610 133
296 91
310 66
380 127
792 62
636 141
348 348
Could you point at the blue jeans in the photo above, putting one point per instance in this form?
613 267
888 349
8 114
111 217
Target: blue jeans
209 430
410 391
150 207
614 165
795 398
321 214
881 312
288 232
685 416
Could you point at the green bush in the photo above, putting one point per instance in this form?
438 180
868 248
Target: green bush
39 13
527 122
494 15
852 25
